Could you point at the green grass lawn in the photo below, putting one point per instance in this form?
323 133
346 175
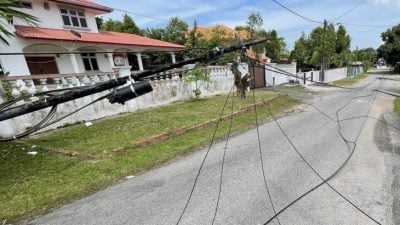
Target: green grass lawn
397 105
31 185
350 81
290 88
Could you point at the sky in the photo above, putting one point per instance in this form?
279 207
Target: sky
378 15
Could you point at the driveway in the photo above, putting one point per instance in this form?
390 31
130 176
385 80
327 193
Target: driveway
370 180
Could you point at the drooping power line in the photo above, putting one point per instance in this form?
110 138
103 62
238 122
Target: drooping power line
139 14
349 11
295 13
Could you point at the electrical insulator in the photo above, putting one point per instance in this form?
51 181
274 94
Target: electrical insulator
129 92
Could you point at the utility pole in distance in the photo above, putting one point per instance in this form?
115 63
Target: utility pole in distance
323 53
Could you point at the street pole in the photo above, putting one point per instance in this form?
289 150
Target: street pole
323 53
356 73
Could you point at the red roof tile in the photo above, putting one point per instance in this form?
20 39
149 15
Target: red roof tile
85 3
102 37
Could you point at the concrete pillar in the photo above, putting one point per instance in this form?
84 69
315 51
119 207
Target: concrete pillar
110 59
74 63
140 62
173 58
123 71
126 59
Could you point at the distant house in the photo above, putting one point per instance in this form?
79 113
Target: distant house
69 26
225 32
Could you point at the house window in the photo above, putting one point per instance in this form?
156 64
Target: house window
24 4
10 20
73 18
90 61
46 6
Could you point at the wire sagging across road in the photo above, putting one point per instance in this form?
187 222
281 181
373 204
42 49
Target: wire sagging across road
297 14
349 11
352 150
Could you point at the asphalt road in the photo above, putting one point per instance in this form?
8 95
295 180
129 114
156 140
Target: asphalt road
370 179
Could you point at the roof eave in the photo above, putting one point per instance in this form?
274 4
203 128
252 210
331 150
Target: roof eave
103 9
106 43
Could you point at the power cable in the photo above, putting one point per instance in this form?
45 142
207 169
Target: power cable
324 181
261 155
283 72
205 157
46 122
295 13
350 10
364 25
33 129
104 52
126 92
138 14
7 105
223 160
371 117
346 119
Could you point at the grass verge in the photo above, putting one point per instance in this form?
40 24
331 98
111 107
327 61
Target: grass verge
397 105
291 88
350 81
31 185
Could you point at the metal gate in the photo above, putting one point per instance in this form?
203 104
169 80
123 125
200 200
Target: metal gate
257 75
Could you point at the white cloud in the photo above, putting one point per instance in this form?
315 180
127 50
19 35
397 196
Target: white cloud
386 3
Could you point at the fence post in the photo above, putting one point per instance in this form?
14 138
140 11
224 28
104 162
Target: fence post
304 78
312 75
297 77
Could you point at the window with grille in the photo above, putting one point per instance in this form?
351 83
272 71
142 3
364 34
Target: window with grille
90 61
73 18
24 4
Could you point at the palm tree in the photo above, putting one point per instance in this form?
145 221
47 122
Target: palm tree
9 10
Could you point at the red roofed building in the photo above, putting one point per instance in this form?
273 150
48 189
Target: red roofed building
69 26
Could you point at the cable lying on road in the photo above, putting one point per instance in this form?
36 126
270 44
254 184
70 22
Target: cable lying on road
223 160
370 117
205 157
386 78
329 117
262 161
389 93
325 181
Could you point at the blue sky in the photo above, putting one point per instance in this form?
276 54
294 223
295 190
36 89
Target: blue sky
382 14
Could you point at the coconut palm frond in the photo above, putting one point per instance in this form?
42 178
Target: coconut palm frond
10 9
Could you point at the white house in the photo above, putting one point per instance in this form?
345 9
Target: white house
70 26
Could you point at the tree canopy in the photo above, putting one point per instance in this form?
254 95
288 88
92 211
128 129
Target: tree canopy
176 30
390 50
276 46
308 49
254 24
126 25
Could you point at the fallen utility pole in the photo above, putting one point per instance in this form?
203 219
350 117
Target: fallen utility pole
86 91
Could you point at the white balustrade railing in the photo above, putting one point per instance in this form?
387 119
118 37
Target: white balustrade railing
170 87
39 83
